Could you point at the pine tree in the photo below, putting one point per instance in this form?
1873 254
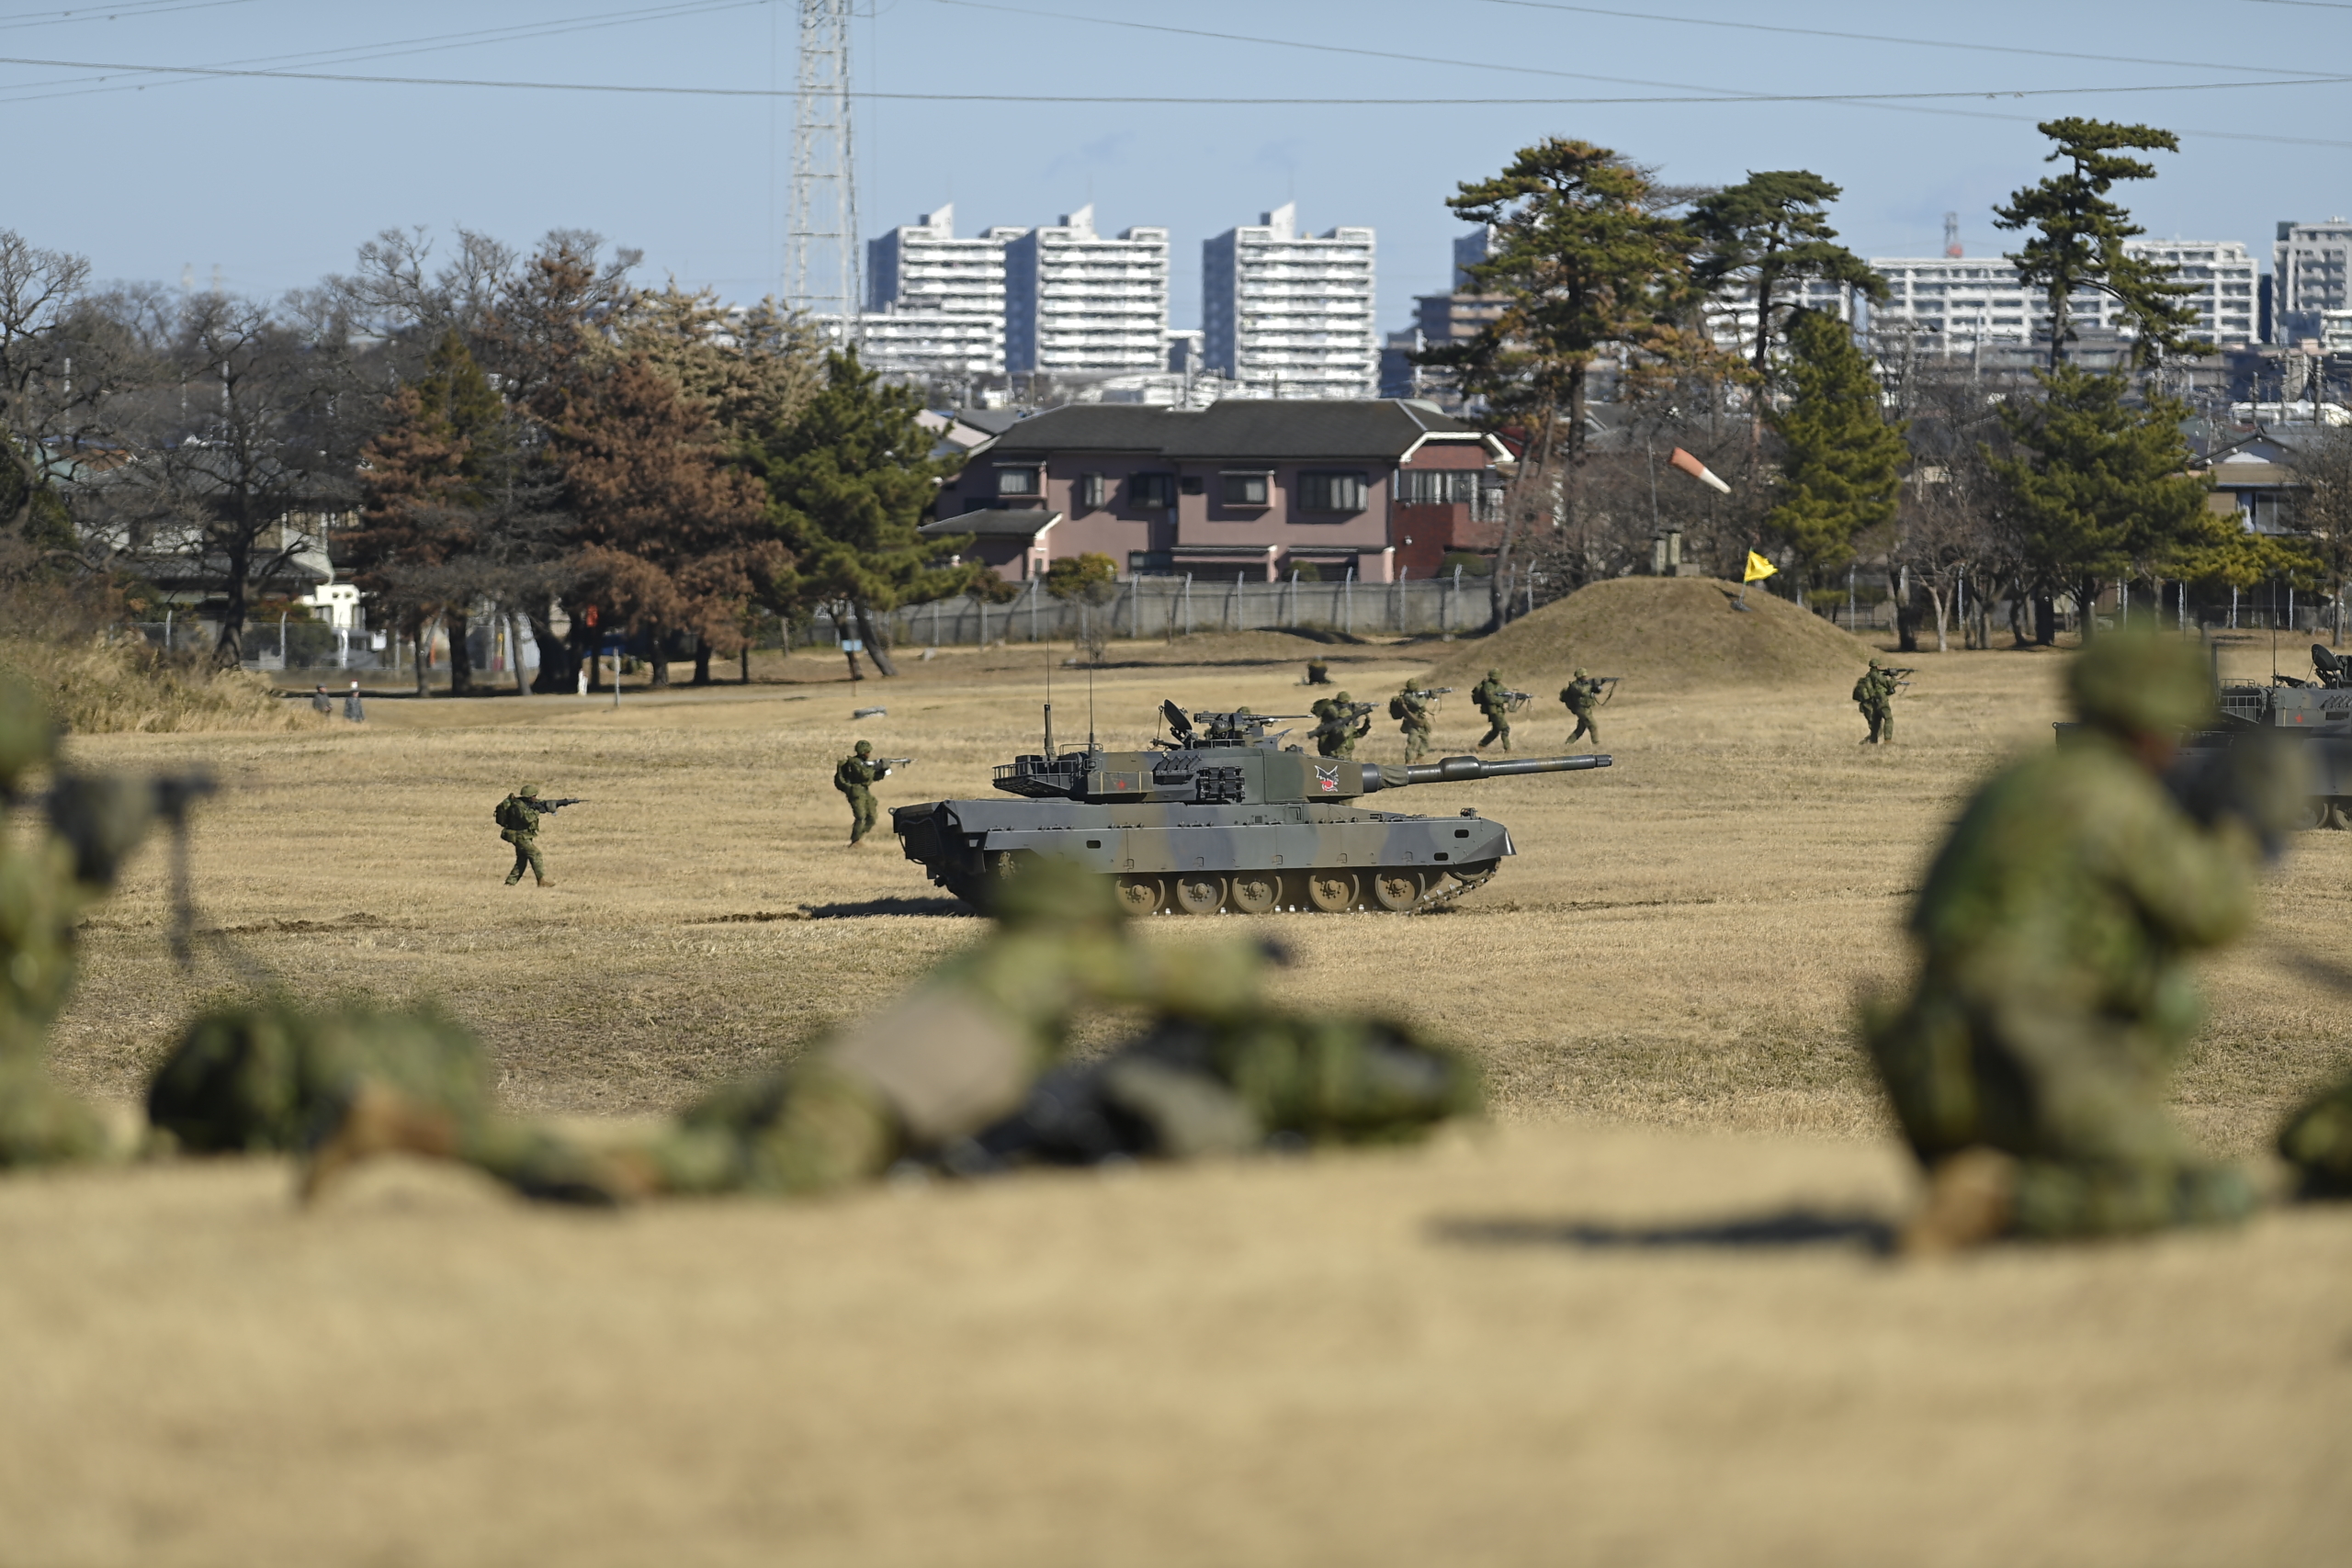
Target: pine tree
1841 471
2105 488
1583 261
851 478
1768 230
2079 236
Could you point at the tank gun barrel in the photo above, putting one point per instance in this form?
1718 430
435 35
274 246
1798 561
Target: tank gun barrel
1462 770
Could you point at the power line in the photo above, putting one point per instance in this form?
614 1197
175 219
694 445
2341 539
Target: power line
1453 101
426 44
1888 38
112 13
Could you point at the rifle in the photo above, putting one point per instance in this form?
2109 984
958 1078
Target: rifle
1514 701
1896 670
889 764
1430 694
1344 715
547 806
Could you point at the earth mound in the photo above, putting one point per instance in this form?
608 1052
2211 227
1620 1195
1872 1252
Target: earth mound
1662 632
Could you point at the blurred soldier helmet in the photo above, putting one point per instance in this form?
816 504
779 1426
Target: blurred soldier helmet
865 747
27 734
2135 681
528 792
1341 698
1580 675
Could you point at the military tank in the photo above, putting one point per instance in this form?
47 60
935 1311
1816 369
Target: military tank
1221 816
2318 710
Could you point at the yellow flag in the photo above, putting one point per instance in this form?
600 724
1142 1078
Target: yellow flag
1759 568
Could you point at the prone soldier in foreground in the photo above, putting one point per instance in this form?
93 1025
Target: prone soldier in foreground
46 879
2028 1066
1582 696
957 1074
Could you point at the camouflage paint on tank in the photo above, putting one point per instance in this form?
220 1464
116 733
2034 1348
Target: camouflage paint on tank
1231 804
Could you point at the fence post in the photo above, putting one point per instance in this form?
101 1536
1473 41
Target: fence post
1348 603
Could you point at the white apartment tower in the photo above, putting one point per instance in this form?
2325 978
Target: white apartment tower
2308 267
1959 301
1290 315
1080 304
936 303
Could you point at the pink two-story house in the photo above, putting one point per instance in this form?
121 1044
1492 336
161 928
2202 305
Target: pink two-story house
1249 485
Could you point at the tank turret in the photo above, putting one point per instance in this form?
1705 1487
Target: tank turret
1224 815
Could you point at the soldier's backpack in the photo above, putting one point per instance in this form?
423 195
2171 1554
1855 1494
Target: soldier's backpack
1866 688
1396 708
510 817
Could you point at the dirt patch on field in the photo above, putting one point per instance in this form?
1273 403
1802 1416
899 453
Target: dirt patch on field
1662 633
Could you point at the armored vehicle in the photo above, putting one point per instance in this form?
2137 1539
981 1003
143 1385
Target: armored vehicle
2318 710
1222 817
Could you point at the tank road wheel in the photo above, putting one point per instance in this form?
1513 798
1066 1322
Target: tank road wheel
2315 813
1200 893
1331 891
1395 889
1140 894
1255 892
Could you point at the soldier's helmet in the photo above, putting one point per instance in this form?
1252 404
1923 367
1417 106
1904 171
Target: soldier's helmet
529 792
1580 675
1047 894
1342 699
2139 681
27 734
865 747
1494 674
1876 665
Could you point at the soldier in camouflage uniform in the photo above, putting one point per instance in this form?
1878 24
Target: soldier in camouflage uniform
1413 715
1874 695
958 1072
1582 698
1336 738
2027 1067
856 778
1488 697
47 880
518 824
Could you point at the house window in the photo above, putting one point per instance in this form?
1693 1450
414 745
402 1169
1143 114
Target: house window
1327 491
1437 487
1251 488
1092 493
1020 479
1151 490
1151 563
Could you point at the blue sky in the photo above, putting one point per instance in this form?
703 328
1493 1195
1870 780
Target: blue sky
275 182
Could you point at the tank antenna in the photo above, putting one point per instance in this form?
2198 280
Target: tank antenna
1090 708
1049 705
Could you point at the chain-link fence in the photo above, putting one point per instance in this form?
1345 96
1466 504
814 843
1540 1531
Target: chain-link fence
1163 606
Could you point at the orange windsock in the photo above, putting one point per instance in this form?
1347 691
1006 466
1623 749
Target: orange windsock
1697 470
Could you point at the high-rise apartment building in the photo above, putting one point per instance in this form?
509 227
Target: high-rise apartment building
1964 300
936 303
1290 315
2307 276
1081 303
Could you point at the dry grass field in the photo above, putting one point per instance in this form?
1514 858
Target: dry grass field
1336 1360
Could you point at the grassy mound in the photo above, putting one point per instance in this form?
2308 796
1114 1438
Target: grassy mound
109 683
1662 633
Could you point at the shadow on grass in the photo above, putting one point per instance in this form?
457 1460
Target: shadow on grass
843 911
1789 1228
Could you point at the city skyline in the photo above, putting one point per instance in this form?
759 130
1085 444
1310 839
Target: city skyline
295 174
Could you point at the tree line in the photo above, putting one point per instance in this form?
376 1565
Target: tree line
533 436
2020 489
